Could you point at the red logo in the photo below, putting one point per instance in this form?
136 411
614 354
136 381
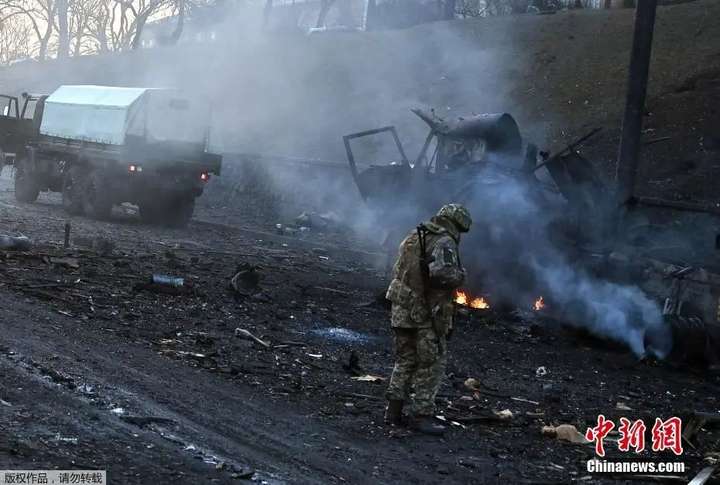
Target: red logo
666 435
632 435
598 434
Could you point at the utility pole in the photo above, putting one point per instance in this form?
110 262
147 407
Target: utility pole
627 166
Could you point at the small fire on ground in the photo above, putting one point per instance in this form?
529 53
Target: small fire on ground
479 303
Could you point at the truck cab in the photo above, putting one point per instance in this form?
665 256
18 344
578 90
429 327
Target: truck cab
19 123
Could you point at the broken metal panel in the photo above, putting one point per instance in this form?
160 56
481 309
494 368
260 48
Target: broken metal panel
500 131
377 177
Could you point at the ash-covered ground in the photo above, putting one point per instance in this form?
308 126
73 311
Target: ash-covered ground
101 370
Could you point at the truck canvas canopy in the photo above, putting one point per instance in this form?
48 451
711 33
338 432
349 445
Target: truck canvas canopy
116 115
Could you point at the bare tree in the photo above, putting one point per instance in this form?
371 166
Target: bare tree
267 11
15 38
63 28
181 8
39 15
87 26
325 6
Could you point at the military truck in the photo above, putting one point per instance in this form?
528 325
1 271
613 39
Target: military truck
101 146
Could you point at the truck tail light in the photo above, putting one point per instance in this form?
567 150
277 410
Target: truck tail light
134 168
204 176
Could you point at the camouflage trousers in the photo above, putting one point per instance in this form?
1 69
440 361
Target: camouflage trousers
421 356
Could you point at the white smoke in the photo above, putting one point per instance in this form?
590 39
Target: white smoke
515 251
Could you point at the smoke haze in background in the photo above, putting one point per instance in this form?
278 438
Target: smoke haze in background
297 96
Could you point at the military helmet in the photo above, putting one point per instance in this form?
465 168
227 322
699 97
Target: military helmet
458 214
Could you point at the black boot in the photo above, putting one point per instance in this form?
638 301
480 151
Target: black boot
393 412
427 425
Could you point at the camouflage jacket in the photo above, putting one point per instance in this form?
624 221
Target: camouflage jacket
414 306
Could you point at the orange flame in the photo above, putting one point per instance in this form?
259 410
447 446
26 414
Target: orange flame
539 304
480 304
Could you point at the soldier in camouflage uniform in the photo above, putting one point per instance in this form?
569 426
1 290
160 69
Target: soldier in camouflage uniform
422 293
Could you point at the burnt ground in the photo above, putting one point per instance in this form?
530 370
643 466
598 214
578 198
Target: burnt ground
102 370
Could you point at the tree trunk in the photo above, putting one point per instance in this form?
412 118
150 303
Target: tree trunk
266 12
177 33
63 34
370 12
449 9
140 25
324 9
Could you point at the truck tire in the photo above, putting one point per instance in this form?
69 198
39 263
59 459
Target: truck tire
72 191
180 213
96 202
169 212
27 188
150 212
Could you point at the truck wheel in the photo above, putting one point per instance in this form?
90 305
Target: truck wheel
72 191
180 213
27 188
150 212
95 199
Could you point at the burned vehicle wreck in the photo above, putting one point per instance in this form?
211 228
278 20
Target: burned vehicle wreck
550 229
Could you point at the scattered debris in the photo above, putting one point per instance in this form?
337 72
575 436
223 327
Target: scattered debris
62 439
117 411
341 334
147 420
101 245
317 221
621 406
353 365
696 421
333 291
17 243
284 230
564 432
367 378
183 353
520 399
472 384
67 262
5 403
505 414
246 280
704 475
541 371
165 280
242 333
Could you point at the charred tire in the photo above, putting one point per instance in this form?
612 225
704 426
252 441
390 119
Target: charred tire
170 212
96 201
181 211
72 191
151 212
27 187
